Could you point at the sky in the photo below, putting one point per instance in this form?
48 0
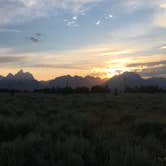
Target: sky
101 38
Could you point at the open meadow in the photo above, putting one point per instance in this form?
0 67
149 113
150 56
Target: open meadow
82 129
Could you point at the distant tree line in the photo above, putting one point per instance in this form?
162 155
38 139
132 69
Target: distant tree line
103 89
94 89
66 90
145 89
9 90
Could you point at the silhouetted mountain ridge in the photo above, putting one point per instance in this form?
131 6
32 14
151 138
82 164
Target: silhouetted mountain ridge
131 80
75 81
25 81
20 81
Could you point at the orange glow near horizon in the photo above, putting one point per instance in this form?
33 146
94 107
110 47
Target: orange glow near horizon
109 71
83 62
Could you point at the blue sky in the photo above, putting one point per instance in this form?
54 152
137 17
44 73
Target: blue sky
83 37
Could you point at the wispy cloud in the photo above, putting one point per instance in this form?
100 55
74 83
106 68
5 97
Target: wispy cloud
159 19
72 22
22 10
98 22
5 51
60 66
9 30
148 64
9 59
159 71
163 5
163 47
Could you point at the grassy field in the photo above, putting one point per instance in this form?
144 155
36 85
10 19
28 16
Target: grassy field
82 129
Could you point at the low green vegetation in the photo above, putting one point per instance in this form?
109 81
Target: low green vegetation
82 129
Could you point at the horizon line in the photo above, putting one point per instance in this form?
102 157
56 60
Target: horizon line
106 78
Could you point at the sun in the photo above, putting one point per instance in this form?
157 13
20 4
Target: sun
109 71
113 71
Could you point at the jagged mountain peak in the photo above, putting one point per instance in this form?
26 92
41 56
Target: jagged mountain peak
20 81
20 71
10 76
21 75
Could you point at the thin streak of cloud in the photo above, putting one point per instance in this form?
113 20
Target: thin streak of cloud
9 59
154 72
163 47
148 64
163 5
9 30
56 66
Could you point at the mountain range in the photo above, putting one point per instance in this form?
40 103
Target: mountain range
131 80
25 81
